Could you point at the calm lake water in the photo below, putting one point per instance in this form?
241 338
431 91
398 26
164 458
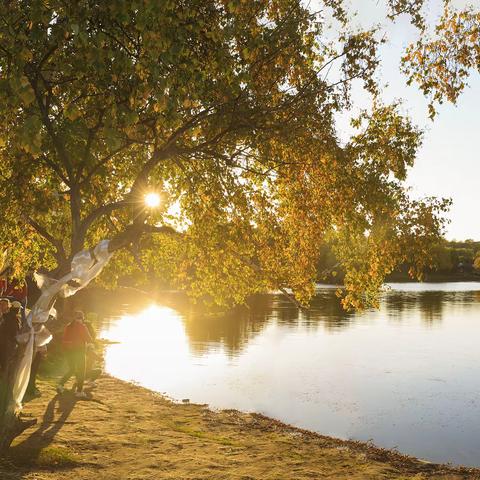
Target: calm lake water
406 376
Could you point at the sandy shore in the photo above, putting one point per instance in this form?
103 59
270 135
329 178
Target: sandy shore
126 432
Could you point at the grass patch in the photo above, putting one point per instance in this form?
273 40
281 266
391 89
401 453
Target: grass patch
56 457
203 435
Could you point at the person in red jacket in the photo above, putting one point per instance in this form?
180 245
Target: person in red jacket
74 342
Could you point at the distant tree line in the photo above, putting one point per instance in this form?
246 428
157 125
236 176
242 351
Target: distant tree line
457 257
450 259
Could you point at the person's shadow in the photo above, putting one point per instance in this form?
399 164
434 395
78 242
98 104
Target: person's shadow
26 453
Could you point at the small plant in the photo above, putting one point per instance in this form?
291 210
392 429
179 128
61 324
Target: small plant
56 457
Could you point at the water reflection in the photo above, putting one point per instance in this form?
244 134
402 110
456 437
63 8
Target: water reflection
235 329
406 376
429 304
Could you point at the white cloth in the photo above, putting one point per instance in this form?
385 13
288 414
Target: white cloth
85 266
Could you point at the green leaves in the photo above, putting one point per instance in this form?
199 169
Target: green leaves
72 112
29 135
112 139
226 109
25 92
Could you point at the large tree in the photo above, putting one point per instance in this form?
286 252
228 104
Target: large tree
225 108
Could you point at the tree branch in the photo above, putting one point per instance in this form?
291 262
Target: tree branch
59 146
134 231
103 162
55 242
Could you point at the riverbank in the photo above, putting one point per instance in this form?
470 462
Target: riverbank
127 432
434 277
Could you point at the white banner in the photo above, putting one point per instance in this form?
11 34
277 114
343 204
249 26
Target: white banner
85 266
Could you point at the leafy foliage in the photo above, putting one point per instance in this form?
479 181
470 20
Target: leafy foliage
413 8
441 63
476 262
227 110
452 256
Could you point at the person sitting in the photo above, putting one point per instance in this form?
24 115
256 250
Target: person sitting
74 342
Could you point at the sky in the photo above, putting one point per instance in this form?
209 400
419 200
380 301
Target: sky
448 163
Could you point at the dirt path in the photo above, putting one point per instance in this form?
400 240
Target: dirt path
126 432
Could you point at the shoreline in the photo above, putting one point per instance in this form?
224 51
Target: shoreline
126 431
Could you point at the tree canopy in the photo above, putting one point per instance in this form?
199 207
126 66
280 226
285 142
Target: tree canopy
441 62
226 109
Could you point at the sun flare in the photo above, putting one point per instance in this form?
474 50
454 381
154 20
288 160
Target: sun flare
152 200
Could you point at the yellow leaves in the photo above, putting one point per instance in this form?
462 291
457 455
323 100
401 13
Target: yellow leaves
247 54
25 54
195 131
441 64
72 112
267 190
141 71
161 104
418 56
31 147
187 103
232 7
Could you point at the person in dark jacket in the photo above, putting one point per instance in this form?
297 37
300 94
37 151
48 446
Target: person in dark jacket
10 324
4 306
74 342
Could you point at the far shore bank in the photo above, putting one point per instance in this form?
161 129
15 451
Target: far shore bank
392 278
429 278
434 278
127 432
